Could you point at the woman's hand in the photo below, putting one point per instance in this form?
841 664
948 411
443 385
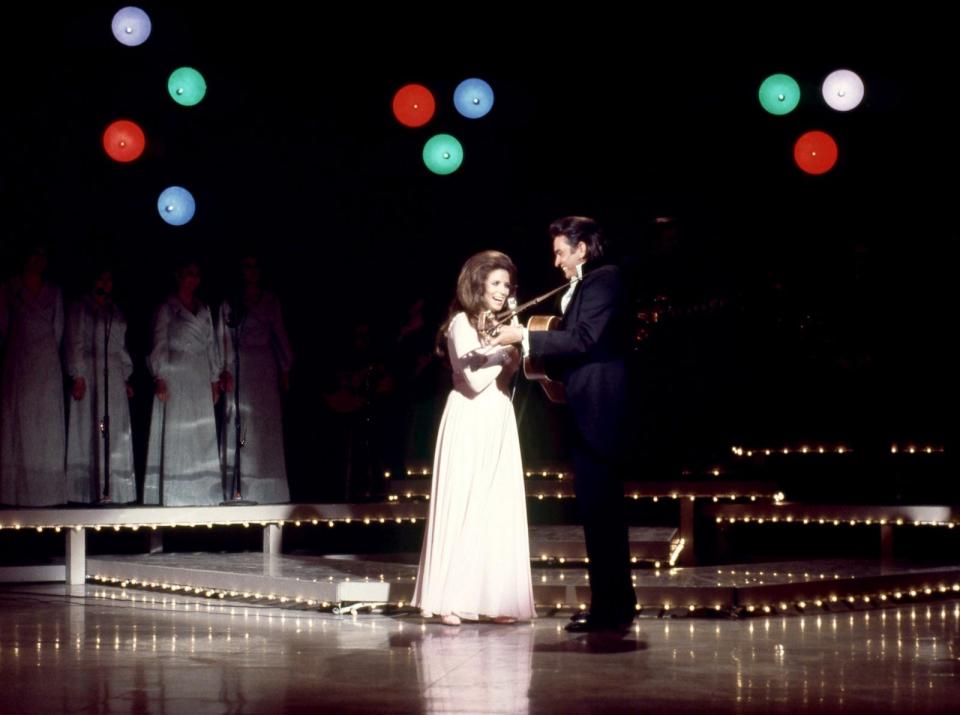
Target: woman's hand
160 389
507 335
79 388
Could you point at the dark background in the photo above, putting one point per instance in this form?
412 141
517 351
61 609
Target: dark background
794 308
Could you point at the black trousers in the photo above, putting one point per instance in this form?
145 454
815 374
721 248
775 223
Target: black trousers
598 484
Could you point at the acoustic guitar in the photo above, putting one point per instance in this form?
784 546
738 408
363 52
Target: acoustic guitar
533 367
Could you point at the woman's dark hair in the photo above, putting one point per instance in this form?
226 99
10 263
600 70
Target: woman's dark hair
470 289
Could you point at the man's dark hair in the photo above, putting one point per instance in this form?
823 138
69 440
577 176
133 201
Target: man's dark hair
580 228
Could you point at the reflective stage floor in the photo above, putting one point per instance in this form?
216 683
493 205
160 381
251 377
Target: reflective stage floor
101 649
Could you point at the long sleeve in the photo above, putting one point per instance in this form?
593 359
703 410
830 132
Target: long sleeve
478 366
58 316
159 359
225 337
126 362
4 312
281 342
75 336
214 359
600 302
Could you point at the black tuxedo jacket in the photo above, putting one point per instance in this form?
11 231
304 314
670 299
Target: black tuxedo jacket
588 355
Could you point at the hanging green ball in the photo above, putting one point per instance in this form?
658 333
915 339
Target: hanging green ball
186 86
442 154
779 94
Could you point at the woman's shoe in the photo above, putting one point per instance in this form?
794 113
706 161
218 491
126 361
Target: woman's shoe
450 620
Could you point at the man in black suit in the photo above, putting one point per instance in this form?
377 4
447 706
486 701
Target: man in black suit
588 355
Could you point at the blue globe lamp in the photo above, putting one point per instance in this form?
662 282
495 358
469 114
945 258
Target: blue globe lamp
473 98
176 205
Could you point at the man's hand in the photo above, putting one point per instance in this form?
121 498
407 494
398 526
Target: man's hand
507 335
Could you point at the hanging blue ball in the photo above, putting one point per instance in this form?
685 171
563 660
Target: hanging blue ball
176 205
473 98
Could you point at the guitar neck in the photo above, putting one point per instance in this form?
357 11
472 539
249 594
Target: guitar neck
510 314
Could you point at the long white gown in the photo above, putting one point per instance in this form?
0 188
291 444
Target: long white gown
86 322
183 465
32 439
264 354
476 553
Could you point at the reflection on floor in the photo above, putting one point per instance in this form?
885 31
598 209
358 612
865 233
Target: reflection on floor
96 649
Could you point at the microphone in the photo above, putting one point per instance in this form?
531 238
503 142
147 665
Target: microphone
512 305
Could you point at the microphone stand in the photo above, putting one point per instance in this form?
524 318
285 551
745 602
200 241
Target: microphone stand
512 306
105 419
235 325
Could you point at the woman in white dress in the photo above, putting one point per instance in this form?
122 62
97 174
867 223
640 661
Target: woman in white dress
32 438
476 557
87 321
253 320
183 465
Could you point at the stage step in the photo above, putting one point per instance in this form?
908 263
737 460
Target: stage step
556 486
562 544
316 582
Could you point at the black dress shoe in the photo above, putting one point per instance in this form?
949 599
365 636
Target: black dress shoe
580 616
594 626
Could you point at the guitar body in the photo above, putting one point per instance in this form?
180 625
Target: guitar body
533 368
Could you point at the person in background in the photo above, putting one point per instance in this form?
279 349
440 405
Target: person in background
96 332
32 438
252 319
183 464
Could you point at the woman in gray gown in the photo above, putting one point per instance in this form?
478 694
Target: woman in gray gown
88 320
31 388
253 320
183 466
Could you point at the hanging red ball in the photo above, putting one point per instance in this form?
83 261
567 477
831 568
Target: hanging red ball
815 152
413 105
124 141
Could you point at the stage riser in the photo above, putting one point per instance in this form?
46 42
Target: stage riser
577 551
870 586
261 515
33 574
551 488
339 590
240 583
